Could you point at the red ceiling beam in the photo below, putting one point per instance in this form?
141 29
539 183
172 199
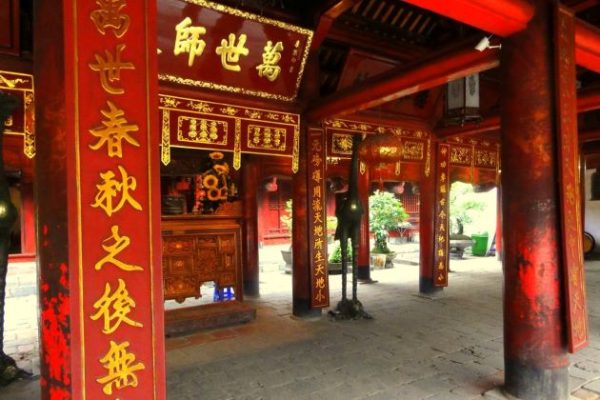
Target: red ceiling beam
500 17
589 136
505 17
489 124
587 46
586 101
402 81
326 20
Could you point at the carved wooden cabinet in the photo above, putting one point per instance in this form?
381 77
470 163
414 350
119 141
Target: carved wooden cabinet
200 249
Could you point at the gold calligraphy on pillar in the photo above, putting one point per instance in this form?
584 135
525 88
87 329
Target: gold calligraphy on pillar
115 129
113 245
114 308
120 368
112 189
319 229
109 15
109 69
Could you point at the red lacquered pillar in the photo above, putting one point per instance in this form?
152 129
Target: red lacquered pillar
250 228
364 268
101 301
427 207
535 351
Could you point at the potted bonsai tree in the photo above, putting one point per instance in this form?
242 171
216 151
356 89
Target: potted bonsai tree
386 213
334 264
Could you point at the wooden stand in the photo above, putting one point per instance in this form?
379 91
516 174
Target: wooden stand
199 249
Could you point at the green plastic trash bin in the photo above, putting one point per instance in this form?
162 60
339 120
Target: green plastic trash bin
480 245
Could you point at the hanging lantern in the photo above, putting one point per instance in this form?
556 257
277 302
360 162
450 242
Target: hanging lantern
462 101
380 149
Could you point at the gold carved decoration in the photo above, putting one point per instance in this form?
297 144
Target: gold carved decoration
21 86
264 137
428 159
165 153
296 150
342 144
201 130
412 150
486 158
460 155
237 145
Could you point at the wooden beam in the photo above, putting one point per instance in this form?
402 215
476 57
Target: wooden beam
489 124
589 136
586 101
580 5
500 17
505 17
587 46
440 68
326 19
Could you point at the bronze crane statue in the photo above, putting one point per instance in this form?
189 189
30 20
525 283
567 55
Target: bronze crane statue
349 213
8 215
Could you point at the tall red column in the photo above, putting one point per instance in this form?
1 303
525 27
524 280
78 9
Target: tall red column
250 228
101 313
535 351
301 272
364 188
427 207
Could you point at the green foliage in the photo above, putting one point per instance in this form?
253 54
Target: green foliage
286 219
336 254
466 209
386 213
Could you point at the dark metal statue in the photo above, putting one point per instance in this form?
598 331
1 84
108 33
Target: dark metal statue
8 215
349 213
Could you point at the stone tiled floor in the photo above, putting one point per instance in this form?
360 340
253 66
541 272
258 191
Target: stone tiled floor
414 348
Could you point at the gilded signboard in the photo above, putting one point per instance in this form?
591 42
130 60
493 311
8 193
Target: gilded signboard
209 45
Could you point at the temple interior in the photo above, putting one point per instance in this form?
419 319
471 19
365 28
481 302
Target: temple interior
275 199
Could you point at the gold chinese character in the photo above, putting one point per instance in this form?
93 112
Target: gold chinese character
110 69
119 243
114 308
230 52
317 217
442 202
442 227
441 253
320 282
317 191
318 230
121 368
316 176
316 146
319 256
271 56
115 128
442 188
188 40
442 214
110 188
441 238
443 177
109 16
316 160
9 122
318 245
320 296
320 268
441 266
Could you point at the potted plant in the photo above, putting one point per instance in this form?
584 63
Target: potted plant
334 264
465 209
386 213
